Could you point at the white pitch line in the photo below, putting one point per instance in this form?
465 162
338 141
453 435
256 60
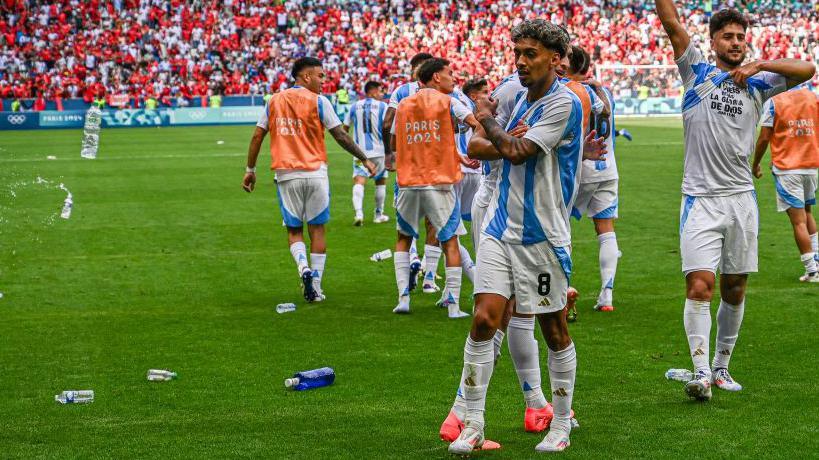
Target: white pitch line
142 157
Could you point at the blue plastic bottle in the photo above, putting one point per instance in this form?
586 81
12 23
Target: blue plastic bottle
306 380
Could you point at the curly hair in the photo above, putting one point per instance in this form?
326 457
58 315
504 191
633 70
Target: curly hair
551 36
724 17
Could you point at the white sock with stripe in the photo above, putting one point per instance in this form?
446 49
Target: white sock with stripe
478 367
401 262
809 261
432 254
317 262
358 199
299 252
562 370
525 355
380 196
609 254
467 263
729 320
697 321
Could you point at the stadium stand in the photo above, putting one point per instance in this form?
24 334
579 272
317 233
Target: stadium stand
178 52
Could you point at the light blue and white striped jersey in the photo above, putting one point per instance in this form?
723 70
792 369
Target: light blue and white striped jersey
366 117
602 170
532 201
507 93
402 92
719 125
463 132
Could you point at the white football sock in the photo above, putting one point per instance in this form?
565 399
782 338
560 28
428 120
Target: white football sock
729 319
380 195
809 261
697 321
467 263
358 198
525 354
609 253
459 406
413 251
562 369
814 242
401 261
453 287
317 261
478 366
432 254
497 340
299 252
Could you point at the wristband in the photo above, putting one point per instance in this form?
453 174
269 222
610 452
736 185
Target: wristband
248 169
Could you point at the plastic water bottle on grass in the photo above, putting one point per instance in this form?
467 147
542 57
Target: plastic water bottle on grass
75 397
285 307
160 375
680 375
68 205
379 256
307 380
91 133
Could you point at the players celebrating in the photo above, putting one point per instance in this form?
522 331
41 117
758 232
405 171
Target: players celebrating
366 117
525 244
719 216
296 119
789 124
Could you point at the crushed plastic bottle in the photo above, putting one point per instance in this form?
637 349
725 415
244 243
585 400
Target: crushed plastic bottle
680 375
75 397
68 204
91 133
307 380
382 255
285 307
161 375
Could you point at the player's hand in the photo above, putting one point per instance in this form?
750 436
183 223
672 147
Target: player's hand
249 182
519 130
757 171
469 162
485 107
741 74
593 83
594 148
389 162
371 167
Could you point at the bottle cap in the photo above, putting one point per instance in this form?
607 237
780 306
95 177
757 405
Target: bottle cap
290 383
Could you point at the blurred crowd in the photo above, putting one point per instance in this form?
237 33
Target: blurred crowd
173 50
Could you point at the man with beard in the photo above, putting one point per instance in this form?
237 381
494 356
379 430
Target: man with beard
719 215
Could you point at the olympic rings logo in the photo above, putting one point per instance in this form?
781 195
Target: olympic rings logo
16 119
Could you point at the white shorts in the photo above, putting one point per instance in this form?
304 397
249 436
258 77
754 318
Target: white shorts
533 273
597 200
360 171
304 200
794 191
466 190
478 214
719 232
440 207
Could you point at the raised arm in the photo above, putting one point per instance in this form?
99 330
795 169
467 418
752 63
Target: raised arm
670 17
761 147
249 181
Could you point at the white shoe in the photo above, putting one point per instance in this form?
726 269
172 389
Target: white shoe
809 278
359 219
403 305
320 297
555 441
722 379
429 285
700 387
471 438
455 312
381 218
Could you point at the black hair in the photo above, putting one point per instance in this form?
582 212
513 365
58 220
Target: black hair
724 17
474 85
430 67
304 63
579 62
372 84
419 59
551 36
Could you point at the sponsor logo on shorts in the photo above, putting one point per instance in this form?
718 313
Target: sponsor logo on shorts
16 119
545 303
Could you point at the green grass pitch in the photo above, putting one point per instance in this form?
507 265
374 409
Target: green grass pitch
167 263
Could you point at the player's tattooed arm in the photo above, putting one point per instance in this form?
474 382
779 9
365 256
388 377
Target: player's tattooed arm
515 149
249 181
761 147
670 17
344 140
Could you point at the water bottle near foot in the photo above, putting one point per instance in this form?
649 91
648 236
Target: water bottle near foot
75 397
680 375
307 380
285 308
381 255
